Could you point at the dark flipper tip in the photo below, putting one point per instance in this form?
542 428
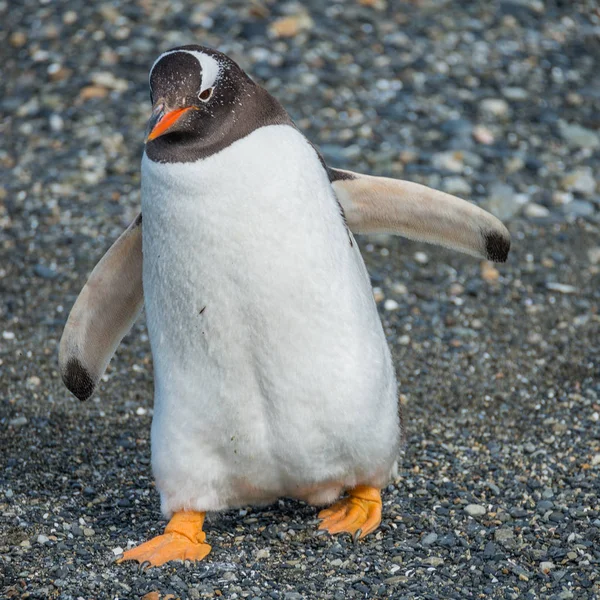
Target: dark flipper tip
497 245
78 379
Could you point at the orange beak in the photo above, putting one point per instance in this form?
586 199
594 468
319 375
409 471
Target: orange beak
160 123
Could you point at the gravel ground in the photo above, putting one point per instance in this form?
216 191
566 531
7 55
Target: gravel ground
499 483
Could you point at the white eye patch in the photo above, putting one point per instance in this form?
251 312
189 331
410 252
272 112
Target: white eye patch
210 67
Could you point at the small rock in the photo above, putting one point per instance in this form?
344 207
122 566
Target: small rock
494 107
563 288
88 532
106 79
390 304
91 92
503 202
288 27
536 211
42 539
44 272
18 422
117 551
434 561
8 335
457 185
448 161
515 93
404 340
475 510
483 135
17 39
263 553
504 535
421 258
429 539
579 208
580 180
544 506
488 272
594 255
577 136
546 566
595 460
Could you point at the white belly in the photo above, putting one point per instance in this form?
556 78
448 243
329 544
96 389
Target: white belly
272 374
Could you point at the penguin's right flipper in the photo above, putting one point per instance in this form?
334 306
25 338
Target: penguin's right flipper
103 313
383 205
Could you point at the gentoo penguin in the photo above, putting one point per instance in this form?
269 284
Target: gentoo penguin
272 373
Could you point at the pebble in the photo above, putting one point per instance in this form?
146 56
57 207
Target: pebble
390 304
106 79
594 255
429 539
563 288
475 510
503 201
579 208
456 185
434 561
448 161
516 94
536 211
546 566
494 107
483 135
577 136
8 335
504 535
581 180
488 272
42 539
290 26
18 422
421 258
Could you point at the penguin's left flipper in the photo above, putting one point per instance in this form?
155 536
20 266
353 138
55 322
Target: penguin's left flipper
383 205
103 313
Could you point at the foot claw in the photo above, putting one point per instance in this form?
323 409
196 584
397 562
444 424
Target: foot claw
358 514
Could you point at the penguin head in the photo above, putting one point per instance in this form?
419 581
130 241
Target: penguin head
195 93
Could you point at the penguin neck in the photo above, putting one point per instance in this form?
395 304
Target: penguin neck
258 109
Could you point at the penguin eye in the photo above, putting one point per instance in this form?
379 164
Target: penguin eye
206 94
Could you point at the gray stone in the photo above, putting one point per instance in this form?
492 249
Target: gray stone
494 107
579 208
503 202
503 535
581 180
536 211
457 185
475 510
577 136
429 539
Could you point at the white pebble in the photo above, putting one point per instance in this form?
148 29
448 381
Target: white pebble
390 304
118 550
421 258
42 539
8 335
563 288
140 411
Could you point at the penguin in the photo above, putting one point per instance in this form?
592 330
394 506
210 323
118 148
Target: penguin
272 374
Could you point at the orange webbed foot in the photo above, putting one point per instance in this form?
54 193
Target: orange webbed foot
359 513
183 539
